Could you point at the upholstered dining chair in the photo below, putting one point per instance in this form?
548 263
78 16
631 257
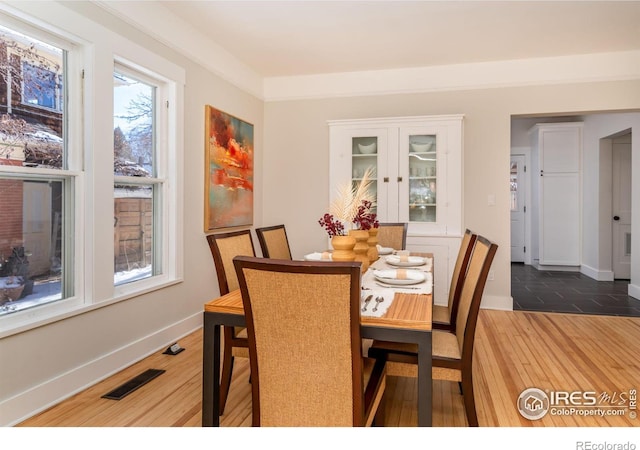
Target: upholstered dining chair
393 235
452 352
273 242
290 307
224 247
444 316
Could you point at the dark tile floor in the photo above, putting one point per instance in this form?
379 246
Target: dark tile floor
569 292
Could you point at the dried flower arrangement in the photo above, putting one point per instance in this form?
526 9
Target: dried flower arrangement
345 207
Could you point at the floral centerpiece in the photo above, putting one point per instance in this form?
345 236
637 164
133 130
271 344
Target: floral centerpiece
342 212
345 208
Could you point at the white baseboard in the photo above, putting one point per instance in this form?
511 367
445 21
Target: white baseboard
38 398
497 302
634 291
598 275
553 268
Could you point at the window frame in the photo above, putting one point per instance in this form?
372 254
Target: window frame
88 131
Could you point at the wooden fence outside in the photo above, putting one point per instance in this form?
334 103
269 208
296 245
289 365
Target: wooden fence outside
133 233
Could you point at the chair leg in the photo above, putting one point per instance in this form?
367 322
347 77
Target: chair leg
225 381
469 400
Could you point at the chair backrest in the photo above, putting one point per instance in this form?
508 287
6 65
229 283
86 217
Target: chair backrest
459 272
224 247
471 296
273 242
393 235
305 350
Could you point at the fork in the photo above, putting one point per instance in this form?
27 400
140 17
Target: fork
378 301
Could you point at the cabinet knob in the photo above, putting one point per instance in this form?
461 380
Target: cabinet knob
616 218
385 179
399 179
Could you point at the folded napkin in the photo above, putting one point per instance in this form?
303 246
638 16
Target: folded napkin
400 274
317 256
395 259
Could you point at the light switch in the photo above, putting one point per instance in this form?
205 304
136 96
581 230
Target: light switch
491 200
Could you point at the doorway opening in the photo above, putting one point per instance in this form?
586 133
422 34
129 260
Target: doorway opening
602 282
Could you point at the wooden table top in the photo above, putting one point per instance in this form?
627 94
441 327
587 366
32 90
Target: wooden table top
409 311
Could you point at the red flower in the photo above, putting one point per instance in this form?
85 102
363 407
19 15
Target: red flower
365 219
332 227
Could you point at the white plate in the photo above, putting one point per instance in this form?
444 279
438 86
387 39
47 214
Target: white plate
384 251
317 256
391 277
413 261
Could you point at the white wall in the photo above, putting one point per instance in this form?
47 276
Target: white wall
41 366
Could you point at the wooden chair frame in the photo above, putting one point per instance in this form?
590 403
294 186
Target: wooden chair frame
457 281
231 339
404 226
464 365
364 401
262 239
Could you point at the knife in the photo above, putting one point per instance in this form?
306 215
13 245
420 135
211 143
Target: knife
366 302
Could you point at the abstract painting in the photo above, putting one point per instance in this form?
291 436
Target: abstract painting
228 171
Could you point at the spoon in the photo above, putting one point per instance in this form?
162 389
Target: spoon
378 301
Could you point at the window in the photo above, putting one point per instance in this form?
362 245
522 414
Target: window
88 194
36 186
137 187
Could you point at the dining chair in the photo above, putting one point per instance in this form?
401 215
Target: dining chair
452 352
305 348
444 316
273 242
393 235
224 247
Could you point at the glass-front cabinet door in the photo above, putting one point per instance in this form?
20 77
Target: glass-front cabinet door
354 152
423 176
364 160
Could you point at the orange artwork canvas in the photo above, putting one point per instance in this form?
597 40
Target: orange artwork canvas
228 170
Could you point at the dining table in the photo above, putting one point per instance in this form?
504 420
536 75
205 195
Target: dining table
406 317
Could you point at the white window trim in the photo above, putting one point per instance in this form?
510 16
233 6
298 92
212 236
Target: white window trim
94 49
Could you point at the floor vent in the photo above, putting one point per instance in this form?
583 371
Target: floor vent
127 388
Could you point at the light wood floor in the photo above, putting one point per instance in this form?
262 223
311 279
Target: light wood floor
514 351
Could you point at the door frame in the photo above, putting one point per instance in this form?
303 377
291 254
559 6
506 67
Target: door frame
606 206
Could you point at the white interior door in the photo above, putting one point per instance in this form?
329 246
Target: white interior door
517 186
622 207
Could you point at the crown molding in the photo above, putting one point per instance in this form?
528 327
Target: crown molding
184 39
495 74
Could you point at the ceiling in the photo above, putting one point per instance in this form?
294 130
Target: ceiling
288 38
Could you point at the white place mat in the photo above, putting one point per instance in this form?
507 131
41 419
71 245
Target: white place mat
380 307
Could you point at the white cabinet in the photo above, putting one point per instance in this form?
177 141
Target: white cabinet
557 156
417 163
